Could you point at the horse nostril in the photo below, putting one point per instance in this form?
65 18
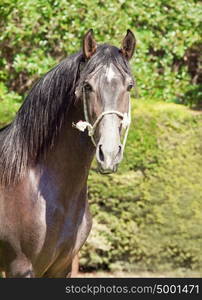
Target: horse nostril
119 153
101 154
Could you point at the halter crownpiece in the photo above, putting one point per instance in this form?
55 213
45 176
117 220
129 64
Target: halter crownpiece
83 125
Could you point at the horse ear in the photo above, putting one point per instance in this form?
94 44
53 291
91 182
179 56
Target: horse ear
128 45
89 44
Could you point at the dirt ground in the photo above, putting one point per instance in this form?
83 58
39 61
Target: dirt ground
143 274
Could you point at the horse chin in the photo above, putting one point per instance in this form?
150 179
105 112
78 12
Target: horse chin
107 171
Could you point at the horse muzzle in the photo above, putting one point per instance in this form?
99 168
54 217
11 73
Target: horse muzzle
108 161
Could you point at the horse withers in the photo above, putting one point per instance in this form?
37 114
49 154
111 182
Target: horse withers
79 109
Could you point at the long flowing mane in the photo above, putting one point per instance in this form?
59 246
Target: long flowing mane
43 112
39 119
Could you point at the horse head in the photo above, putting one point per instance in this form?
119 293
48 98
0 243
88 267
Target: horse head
104 89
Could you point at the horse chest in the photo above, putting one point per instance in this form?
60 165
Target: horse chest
66 233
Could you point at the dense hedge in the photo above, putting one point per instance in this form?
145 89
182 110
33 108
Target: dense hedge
148 216
35 35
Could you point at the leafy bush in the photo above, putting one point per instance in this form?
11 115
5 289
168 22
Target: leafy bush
35 35
9 104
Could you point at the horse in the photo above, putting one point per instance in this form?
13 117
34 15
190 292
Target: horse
78 110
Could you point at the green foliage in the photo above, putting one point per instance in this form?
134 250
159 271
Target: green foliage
35 35
9 104
151 210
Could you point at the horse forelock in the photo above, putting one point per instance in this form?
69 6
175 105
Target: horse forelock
105 56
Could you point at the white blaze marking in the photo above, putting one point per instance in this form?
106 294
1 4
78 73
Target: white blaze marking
110 73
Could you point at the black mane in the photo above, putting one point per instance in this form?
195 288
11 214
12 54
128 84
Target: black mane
38 122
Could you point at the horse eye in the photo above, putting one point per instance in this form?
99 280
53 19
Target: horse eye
130 86
88 87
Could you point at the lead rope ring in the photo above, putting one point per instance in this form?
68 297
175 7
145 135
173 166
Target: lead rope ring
83 125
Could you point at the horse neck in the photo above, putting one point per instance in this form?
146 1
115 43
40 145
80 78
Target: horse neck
72 154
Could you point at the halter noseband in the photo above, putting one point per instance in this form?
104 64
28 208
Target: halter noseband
83 125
